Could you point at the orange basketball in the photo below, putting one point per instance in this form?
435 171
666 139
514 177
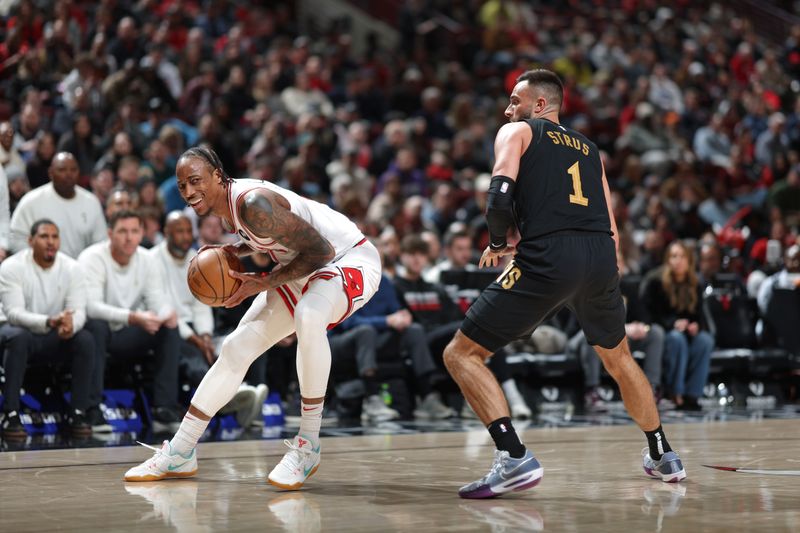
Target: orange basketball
208 276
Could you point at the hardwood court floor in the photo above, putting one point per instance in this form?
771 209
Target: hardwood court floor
593 481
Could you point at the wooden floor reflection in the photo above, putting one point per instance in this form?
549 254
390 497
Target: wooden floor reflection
593 482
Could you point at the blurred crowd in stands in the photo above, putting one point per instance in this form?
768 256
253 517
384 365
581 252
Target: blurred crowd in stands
697 115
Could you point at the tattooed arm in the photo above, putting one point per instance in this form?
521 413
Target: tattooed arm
268 215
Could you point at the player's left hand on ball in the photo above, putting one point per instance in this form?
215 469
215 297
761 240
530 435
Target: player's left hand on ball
492 259
252 283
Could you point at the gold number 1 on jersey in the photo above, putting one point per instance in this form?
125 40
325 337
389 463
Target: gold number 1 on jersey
578 197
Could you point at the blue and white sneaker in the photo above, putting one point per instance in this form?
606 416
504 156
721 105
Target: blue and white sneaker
668 469
506 475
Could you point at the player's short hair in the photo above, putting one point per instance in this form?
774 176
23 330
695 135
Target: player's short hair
41 222
545 80
123 214
209 157
414 244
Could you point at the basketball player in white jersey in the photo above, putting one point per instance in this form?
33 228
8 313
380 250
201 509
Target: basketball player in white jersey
326 269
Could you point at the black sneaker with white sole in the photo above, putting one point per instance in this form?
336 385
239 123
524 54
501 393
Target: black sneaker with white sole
166 420
79 423
12 427
97 420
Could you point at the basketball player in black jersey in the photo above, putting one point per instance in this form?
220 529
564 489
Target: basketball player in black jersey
548 182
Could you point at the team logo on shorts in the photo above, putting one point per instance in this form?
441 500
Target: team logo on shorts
353 282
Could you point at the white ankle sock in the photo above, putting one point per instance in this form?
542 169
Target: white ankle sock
310 421
188 434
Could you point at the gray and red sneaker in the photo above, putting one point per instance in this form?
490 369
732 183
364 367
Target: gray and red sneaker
668 469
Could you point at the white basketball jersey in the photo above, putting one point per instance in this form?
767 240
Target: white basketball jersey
334 226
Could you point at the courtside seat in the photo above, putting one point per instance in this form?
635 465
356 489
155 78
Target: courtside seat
546 365
731 318
783 315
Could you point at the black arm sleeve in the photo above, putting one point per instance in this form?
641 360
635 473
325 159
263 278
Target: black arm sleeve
499 210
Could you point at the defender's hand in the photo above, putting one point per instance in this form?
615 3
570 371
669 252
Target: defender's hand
252 283
491 258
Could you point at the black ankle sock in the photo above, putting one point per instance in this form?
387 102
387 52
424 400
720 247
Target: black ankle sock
654 438
505 438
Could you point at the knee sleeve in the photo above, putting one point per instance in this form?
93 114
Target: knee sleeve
311 317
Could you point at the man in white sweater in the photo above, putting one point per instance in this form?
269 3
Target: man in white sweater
76 211
130 315
44 300
195 320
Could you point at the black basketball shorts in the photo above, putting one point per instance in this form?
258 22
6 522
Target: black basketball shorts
576 271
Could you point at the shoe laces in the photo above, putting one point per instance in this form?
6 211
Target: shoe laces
500 458
158 452
300 454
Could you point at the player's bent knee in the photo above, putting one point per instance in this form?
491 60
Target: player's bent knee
614 358
310 317
458 351
450 355
228 353
613 341
240 348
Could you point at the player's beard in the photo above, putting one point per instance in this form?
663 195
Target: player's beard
177 251
523 114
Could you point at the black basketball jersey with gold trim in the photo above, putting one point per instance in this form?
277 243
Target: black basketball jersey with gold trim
559 186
